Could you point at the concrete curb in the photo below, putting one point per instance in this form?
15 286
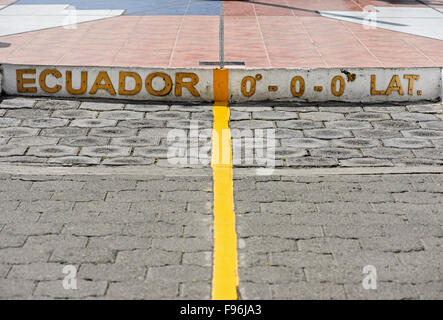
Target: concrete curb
196 85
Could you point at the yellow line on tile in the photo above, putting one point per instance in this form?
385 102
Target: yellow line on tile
225 269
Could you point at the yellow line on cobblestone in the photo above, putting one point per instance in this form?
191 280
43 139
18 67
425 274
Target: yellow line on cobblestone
225 269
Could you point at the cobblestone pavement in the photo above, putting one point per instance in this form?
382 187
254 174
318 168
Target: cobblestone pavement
149 235
310 237
62 132
140 237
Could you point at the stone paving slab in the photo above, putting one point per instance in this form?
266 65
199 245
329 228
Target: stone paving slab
62 132
124 243
311 237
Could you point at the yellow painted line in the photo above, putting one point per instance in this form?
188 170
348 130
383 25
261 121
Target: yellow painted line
225 269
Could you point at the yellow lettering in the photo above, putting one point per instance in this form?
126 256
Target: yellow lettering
375 92
122 83
251 91
394 85
411 79
22 81
167 88
107 85
301 89
179 84
42 80
83 85
334 86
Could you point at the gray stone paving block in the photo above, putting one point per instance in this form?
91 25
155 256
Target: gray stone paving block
254 291
188 195
239 115
101 106
64 132
23 255
322 116
308 291
301 259
413 116
300 124
156 289
11 150
82 141
33 141
270 274
37 271
50 241
265 244
11 241
18 217
278 230
136 141
325 245
311 162
413 229
356 143
54 289
126 161
423 133
434 125
44 123
10 288
46 206
362 258
252 124
74 114
159 229
202 258
18 132
340 108
426 108
186 124
32 229
286 207
52 151
348 124
17 103
180 273
9 122
334 274
113 132
260 195
366 162
336 153
167 115
93 123
85 195
119 242
105 151
149 258
297 108
392 244
28 113
305 143
395 125
75 160
417 162
93 229
287 133
387 153
183 245
133 196
141 123
431 290
433 243
4 269
146 107
319 219
111 272
327 133
151 152
196 290
384 291
368 116
429 258
54 104
4 141
376 133
407 143
192 108
24 160
383 108
418 197
203 116
121 115
272 115
353 231
82 255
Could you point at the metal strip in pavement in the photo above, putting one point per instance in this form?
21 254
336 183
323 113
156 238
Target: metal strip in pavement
225 268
